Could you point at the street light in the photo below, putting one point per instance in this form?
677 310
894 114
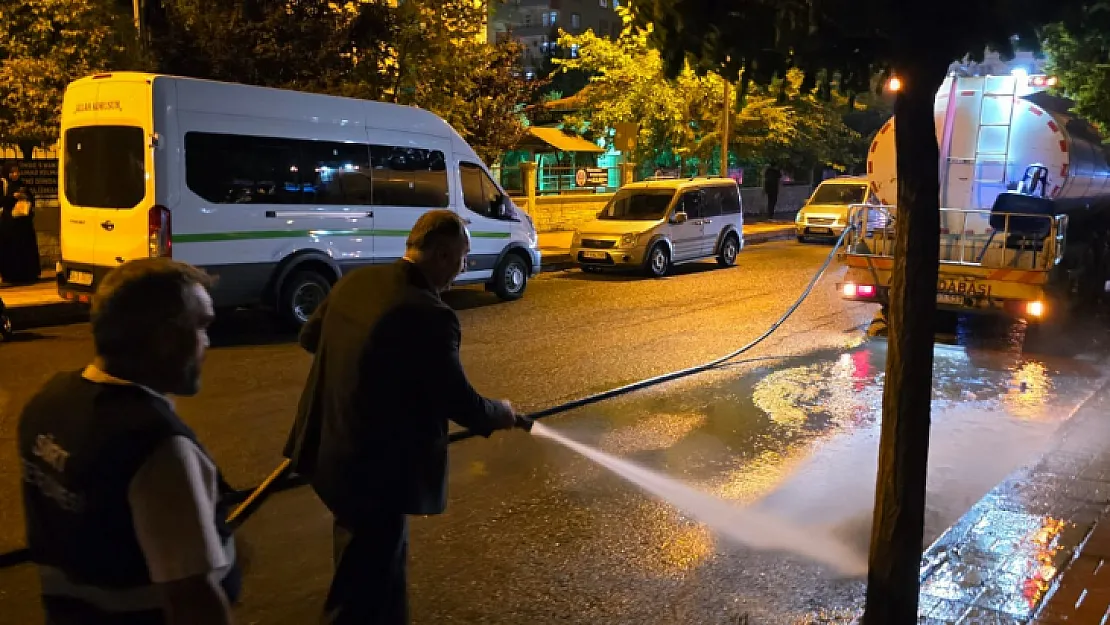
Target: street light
894 84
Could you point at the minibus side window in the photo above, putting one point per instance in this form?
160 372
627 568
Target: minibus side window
408 177
480 194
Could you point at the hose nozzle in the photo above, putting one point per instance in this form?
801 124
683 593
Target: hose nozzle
524 423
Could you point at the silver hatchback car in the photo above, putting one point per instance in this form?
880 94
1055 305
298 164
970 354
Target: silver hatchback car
655 225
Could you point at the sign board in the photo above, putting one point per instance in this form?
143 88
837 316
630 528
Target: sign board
591 177
41 174
625 136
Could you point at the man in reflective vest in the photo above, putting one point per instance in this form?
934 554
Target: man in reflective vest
122 502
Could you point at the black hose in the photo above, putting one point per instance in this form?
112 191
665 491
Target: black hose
253 498
681 373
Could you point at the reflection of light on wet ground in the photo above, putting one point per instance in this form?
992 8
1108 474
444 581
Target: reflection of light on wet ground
846 390
758 476
1006 564
1030 389
660 431
663 544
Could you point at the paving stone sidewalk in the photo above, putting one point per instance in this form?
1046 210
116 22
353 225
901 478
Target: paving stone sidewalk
1032 550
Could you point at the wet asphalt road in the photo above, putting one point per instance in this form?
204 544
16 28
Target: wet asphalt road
536 534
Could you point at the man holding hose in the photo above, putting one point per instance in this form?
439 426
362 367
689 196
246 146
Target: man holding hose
371 428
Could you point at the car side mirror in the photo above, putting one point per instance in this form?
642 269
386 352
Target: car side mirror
501 208
679 217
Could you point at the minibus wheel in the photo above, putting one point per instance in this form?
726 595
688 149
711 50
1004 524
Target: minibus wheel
301 294
510 278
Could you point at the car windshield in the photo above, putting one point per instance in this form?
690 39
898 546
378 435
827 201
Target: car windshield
840 194
638 205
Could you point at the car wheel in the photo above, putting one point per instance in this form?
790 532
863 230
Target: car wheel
658 261
801 239
510 278
5 327
730 247
301 294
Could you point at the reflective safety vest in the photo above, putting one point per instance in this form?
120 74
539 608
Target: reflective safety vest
80 444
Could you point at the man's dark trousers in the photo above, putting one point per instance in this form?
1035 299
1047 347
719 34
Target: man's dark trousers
369 583
772 199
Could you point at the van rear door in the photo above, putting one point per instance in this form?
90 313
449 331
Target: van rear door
107 188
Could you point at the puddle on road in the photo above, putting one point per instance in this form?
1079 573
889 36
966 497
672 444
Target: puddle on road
800 440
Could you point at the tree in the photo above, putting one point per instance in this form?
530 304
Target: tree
682 115
425 53
483 99
844 42
418 52
1080 57
297 44
45 45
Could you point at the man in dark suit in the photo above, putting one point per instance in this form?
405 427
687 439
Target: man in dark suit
371 428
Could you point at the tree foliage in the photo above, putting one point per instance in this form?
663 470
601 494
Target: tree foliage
296 44
1079 54
682 115
44 45
419 52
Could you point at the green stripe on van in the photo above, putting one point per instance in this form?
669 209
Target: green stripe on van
213 237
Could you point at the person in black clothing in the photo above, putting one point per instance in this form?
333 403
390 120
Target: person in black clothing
771 179
372 425
19 248
123 511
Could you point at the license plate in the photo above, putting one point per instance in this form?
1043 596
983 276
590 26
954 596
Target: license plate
948 298
595 255
951 291
81 278
820 230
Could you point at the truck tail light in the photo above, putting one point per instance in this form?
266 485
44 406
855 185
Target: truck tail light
853 291
1035 309
160 231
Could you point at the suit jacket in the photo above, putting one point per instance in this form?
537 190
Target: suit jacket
371 428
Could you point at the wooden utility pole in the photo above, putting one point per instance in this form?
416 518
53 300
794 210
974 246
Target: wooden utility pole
137 8
893 578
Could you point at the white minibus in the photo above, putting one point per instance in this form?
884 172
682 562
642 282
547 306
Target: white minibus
276 193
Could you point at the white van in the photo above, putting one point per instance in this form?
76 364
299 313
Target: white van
656 224
277 193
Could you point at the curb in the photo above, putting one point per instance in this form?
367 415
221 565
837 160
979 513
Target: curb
45 315
62 313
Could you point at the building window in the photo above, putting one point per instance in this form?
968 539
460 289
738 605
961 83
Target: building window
574 50
616 4
575 20
604 4
527 19
554 18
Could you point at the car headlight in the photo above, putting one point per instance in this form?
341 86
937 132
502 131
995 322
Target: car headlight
799 217
577 240
630 240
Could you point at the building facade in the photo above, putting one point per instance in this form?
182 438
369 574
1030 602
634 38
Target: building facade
536 24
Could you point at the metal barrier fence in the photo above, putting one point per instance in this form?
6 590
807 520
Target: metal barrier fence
969 237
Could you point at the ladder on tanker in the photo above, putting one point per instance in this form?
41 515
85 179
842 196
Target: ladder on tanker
997 103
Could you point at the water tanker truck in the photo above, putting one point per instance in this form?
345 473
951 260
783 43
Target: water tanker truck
1025 204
